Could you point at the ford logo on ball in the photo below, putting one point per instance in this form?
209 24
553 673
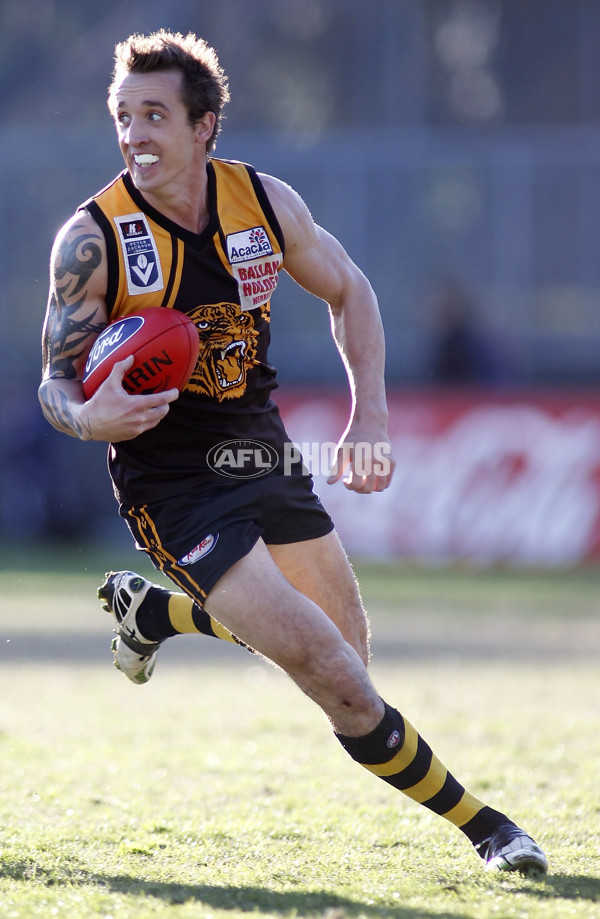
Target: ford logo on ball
112 338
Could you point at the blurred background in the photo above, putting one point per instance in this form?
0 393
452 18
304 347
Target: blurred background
453 146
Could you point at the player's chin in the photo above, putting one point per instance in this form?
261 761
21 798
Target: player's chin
143 175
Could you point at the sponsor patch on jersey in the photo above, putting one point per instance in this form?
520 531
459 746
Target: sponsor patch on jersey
205 546
140 252
248 245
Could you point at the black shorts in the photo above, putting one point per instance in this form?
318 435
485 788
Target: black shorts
196 538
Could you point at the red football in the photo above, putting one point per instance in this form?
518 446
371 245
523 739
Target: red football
165 345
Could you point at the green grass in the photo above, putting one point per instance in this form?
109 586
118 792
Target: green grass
217 790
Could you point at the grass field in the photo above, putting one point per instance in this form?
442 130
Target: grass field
217 790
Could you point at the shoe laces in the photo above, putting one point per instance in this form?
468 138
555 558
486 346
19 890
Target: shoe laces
502 836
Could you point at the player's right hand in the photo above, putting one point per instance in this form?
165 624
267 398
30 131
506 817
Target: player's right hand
114 415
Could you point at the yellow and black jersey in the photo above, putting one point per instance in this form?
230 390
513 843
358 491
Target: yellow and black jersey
223 279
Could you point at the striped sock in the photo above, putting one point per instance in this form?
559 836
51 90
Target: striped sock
395 752
164 613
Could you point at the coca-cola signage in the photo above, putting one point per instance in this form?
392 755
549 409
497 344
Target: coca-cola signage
483 479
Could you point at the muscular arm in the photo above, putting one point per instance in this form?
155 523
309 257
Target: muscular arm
75 316
319 263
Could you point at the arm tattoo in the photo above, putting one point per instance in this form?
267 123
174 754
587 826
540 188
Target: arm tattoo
70 327
66 336
56 409
75 266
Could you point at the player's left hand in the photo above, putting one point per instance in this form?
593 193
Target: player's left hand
363 461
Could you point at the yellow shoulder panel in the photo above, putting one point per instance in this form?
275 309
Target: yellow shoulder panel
248 247
144 249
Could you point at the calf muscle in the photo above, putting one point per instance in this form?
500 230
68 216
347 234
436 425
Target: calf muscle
258 604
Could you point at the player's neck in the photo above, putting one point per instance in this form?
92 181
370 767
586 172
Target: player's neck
183 201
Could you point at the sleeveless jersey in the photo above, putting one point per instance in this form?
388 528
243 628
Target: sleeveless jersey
223 279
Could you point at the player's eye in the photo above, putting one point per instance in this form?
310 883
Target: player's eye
155 116
123 118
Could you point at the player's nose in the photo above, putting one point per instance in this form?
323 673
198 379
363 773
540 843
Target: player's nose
136 133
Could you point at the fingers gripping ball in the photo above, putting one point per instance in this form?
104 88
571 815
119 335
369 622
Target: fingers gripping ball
165 346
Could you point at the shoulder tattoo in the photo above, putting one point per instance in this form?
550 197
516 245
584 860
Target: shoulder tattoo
69 327
79 258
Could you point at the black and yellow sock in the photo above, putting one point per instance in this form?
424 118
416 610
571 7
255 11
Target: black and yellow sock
164 613
395 752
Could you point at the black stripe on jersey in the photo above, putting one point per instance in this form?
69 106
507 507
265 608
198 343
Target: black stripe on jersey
213 196
172 273
112 253
267 207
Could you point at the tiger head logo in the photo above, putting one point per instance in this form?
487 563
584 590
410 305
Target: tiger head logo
228 348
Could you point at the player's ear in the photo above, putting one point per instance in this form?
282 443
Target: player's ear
205 127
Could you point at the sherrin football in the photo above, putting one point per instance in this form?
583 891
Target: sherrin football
164 343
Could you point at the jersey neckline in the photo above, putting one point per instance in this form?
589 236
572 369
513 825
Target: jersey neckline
198 240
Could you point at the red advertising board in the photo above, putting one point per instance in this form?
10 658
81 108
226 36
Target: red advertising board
483 478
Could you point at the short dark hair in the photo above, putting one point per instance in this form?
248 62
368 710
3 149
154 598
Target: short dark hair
204 82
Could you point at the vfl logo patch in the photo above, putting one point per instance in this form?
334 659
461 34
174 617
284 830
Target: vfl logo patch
247 245
140 252
199 551
393 740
